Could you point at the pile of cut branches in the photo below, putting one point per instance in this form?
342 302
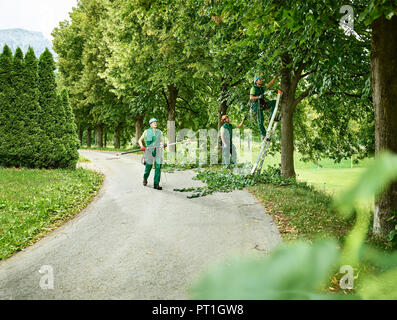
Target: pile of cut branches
226 181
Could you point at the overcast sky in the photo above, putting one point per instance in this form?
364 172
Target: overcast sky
34 15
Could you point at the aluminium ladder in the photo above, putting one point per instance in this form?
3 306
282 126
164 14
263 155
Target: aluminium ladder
268 139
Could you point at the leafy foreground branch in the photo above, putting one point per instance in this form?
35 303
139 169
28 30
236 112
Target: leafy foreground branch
299 270
226 181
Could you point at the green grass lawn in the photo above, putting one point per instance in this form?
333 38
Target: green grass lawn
34 202
109 148
326 175
301 213
83 159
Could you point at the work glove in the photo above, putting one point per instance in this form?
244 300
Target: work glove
278 74
260 97
245 117
143 149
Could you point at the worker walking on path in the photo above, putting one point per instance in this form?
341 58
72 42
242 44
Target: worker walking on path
259 103
153 152
227 140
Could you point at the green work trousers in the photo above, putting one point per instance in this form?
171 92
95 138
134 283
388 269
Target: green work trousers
157 172
261 118
155 157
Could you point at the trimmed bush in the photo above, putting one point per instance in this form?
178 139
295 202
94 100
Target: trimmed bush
37 128
70 137
6 96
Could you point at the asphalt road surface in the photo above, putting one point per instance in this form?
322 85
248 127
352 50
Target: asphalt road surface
135 242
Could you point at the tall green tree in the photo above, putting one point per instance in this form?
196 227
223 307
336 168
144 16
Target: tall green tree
303 41
69 41
82 59
15 125
69 133
53 118
31 136
151 62
6 94
51 152
382 15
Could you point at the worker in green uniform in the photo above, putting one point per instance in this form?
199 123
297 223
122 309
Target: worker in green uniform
259 103
153 152
227 140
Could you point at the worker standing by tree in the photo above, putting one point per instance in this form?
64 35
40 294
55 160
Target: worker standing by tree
153 152
227 143
259 103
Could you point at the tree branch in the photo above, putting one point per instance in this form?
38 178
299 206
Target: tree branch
307 73
236 83
184 100
301 97
301 67
186 108
352 95
332 93
165 97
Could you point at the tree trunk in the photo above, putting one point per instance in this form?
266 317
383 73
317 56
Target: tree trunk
384 93
287 145
171 134
99 135
89 138
117 136
287 125
138 127
105 138
222 110
289 83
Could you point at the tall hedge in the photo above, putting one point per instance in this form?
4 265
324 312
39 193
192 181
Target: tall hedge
54 118
15 126
51 152
34 136
37 127
6 94
70 136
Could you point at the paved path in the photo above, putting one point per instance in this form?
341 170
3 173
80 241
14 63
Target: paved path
135 242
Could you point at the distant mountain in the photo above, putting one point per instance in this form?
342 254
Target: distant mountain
15 38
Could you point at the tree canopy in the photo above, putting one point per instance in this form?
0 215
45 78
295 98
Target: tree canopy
189 62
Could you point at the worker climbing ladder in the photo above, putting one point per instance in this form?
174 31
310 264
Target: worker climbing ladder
271 129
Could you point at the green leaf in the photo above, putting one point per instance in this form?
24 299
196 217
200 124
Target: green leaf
294 271
383 287
378 176
377 258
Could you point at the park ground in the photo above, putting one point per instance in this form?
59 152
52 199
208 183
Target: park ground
60 194
134 242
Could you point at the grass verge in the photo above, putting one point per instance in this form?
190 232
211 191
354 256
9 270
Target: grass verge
307 214
35 202
110 148
301 213
83 159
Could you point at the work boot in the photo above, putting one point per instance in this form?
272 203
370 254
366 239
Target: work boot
157 187
145 183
